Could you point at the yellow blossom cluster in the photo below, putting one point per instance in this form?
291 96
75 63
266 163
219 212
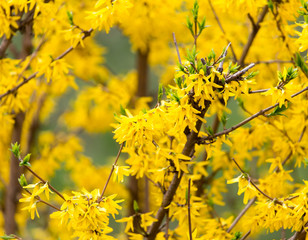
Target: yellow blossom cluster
179 151
87 214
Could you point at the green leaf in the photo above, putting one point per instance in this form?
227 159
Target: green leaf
8 237
251 75
178 81
278 111
306 161
122 110
25 161
15 149
191 55
70 17
22 180
223 119
201 26
211 56
233 68
210 130
304 4
210 202
189 26
136 207
300 62
270 5
237 235
195 10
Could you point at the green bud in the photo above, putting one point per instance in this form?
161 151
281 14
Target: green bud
8 237
122 110
22 180
136 207
15 149
70 17
25 161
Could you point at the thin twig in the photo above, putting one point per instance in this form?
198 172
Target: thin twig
241 214
188 150
4 45
196 34
252 183
222 29
223 55
258 91
42 201
250 203
188 208
290 154
253 34
176 48
43 181
261 112
43 40
167 225
33 75
238 166
246 235
238 74
110 174
273 61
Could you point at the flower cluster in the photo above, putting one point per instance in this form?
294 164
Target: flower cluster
87 214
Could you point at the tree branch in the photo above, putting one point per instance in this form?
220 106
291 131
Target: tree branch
110 174
261 112
222 29
33 75
253 34
188 150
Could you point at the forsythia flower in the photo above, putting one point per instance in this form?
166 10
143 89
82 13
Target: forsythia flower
244 186
34 198
107 13
87 214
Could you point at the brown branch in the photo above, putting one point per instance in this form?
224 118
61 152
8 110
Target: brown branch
221 28
188 209
42 201
290 154
253 34
273 61
246 235
283 36
167 225
300 235
261 112
252 183
33 55
142 68
238 74
188 150
250 203
241 214
26 22
13 187
222 56
258 91
110 174
196 34
33 75
43 181
177 48
4 45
